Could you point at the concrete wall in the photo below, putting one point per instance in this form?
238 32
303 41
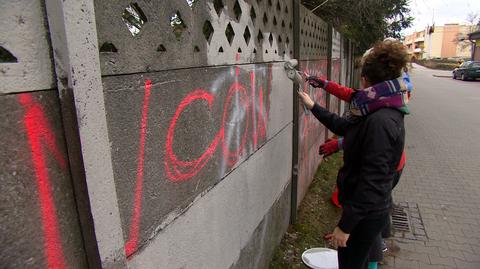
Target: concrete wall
201 154
177 134
39 224
160 143
24 34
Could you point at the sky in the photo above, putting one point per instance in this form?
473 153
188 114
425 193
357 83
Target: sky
441 12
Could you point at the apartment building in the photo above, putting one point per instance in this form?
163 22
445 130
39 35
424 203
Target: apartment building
415 44
447 41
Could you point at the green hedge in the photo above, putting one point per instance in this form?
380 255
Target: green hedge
437 64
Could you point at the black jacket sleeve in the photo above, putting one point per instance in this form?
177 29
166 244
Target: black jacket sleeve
373 189
332 121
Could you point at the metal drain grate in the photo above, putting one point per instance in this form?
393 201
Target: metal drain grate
400 220
407 222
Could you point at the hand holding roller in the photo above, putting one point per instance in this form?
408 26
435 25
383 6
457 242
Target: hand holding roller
296 76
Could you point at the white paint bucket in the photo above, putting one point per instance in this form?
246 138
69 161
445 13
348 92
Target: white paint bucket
320 258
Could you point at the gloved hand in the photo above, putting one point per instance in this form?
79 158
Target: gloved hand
316 82
329 147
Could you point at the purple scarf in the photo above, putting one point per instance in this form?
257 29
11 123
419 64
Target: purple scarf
390 93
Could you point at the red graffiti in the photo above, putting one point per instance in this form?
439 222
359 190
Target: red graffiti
178 170
38 130
132 242
252 87
261 126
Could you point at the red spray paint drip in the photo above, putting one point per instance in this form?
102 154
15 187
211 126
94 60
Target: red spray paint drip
262 116
132 242
252 87
38 130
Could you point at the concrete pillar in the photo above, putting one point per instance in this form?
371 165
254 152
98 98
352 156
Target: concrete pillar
75 46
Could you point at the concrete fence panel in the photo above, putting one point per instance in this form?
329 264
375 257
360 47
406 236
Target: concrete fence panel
314 61
204 33
39 223
200 118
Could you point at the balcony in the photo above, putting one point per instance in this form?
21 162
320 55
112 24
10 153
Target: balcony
420 39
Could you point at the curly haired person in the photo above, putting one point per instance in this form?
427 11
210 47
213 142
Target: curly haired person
374 137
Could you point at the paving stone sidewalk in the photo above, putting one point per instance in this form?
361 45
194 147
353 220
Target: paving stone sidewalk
442 176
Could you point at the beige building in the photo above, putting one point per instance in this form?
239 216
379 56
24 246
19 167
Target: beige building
415 44
448 41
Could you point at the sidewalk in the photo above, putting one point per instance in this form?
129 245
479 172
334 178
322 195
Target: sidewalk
433 72
442 177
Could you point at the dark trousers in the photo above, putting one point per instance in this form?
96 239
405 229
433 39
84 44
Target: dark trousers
387 232
376 252
361 240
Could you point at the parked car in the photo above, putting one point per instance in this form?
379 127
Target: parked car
468 70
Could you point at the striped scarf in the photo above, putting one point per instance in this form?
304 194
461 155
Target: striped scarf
390 93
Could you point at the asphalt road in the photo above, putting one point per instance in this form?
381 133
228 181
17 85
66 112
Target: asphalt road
442 175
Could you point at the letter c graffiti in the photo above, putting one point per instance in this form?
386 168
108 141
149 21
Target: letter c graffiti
176 169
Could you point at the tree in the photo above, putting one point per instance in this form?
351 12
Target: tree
364 21
461 39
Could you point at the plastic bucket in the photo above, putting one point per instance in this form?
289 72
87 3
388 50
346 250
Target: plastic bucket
320 258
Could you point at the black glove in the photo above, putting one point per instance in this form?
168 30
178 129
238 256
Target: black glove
316 82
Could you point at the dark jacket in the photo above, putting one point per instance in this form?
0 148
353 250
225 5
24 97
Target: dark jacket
373 146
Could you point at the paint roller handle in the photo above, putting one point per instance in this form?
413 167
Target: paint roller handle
307 101
305 109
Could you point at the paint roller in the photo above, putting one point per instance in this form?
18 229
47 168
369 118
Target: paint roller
296 76
292 73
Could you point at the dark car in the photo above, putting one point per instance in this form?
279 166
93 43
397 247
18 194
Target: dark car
468 70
